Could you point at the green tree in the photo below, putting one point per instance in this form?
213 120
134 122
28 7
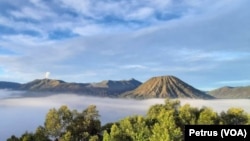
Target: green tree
188 114
155 110
91 113
85 124
162 119
234 116
40 134
13 138
117 135
94 138
135 127
107 127
52 123
248 119
92 121
27 137
66 136
57 120
166 129
106 136
208 116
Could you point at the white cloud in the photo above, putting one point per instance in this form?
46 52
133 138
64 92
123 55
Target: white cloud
123 10
78 5
142 13
89 30
33 13
133 67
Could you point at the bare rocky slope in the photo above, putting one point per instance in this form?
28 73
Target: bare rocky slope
166 87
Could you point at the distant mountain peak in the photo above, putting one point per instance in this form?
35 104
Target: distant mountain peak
114 84
40 84
231 92
166 87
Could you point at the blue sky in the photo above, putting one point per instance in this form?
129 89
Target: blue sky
206 43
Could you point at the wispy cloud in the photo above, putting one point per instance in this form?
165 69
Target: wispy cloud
133 67
32 13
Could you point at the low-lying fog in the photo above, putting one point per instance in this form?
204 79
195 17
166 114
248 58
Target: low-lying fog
20 114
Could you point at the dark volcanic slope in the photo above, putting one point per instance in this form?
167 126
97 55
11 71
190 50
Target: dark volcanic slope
166 87
231 92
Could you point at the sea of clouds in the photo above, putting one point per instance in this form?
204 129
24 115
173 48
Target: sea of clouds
20 114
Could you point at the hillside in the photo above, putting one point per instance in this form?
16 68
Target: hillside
41 84
165 87
231 92
107 88
117 86
9 85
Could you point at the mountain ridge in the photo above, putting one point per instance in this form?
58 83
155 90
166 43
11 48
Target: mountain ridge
124 88
9 85
231 92
112 88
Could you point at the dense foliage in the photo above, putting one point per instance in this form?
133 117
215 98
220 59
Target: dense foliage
163 122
